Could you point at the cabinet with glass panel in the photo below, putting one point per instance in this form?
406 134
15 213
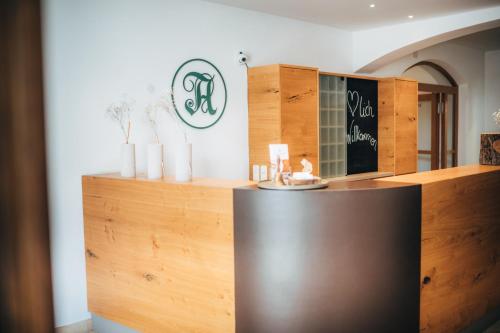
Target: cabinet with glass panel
307 109
332 152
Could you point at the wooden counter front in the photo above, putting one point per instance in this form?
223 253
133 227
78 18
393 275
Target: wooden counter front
160 254
460 265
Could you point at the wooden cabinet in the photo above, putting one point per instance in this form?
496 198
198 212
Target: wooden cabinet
398 121
160 253
283 108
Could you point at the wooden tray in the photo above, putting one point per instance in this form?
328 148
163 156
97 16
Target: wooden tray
269 185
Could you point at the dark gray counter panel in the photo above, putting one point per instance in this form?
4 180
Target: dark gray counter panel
345 261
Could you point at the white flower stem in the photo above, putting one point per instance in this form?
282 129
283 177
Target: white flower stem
128 131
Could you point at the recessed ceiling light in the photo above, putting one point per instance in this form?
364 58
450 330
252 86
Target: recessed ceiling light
410 16
372 5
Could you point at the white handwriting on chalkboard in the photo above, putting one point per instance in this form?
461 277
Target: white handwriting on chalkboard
355 102
352 102
356 135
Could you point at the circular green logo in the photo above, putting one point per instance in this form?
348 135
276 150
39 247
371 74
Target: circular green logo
199 93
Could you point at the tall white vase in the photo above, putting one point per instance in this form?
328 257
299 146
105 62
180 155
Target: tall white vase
155 161
128 160
183 163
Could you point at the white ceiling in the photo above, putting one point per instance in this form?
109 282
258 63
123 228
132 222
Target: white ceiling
356 14
488 40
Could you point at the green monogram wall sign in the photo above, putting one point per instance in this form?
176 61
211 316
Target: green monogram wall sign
199 93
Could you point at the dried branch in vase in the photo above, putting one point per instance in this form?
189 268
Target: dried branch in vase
120 113
152 115
166 104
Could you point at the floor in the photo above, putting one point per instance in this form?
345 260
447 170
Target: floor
494 329
101 325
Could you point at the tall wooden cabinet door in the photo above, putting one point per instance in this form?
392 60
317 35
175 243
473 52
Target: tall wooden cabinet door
406 124
386 124
299 115
264 112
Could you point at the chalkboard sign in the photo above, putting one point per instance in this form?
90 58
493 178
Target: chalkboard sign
362 126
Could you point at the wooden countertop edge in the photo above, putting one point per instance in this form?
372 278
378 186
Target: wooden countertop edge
197 181
443 174
414 178
361 176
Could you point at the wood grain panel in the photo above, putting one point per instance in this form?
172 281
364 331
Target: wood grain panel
160 254
386 125
299 115
398 125
460 245
264 112
25 285
406 124
433 176
283 108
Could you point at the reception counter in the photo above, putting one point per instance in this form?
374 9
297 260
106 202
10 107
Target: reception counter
399 254
344 259
460 267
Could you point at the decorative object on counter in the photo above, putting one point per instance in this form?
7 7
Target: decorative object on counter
256 173
490 145
490 149
496 117
120 113
183 163
305 177
155 150
259 173
199 93
270 185
286 180
155 160
308 167
183 151
278 178
263 173
128 160
277 154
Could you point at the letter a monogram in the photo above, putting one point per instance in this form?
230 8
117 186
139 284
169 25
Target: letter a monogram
202 86
199 93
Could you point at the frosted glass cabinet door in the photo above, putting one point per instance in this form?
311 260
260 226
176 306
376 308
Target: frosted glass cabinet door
332 126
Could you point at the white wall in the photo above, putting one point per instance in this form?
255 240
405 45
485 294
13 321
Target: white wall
97 50
371 51
491 88
467 66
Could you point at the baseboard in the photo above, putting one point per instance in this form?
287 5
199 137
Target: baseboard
103 325
84 326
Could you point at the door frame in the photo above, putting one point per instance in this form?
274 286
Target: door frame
439 152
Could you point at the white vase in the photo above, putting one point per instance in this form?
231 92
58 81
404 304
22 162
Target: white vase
155 161
183 164
128 160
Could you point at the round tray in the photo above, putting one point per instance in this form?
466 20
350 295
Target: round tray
269 185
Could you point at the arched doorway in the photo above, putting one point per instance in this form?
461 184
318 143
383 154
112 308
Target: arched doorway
438 116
